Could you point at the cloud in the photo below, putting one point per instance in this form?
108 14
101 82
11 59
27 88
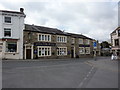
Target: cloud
94 19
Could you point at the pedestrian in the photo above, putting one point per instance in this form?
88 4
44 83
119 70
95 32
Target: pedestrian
116 57
112 56
95 56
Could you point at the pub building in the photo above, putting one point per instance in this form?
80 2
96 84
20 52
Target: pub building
45 42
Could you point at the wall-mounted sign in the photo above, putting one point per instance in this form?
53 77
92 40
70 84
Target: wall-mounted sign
44 44
35 51
84 45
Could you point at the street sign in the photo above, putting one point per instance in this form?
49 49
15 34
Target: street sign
95 44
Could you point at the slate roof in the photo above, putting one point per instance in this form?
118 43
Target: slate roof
14 12
42 29
79 36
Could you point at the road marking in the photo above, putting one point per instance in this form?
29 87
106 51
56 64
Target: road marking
81 84
87 76
88 63
89 72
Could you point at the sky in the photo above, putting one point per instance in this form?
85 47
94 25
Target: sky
93 18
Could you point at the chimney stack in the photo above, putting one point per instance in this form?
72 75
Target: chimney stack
22 10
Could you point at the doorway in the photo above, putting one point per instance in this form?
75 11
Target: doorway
28 53
72 52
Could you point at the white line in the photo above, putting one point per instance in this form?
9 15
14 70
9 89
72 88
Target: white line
85 78
81 84
88 75
89 72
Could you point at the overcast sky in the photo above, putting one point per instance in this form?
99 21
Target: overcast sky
95 19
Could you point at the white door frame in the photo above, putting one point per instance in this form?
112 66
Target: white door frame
31 47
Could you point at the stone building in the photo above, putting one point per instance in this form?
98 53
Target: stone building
115 40
45 42
11 34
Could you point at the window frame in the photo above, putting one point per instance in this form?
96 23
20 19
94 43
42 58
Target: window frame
60 49
8 29
73 40
83 52
45 49
61 39
8 21
87 41
7 50
44 37
86 50
80 42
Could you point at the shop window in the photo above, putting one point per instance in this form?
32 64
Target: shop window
11 46
44 51
81 50
61 51
87 50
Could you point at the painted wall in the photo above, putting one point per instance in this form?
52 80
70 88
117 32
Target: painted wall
17 26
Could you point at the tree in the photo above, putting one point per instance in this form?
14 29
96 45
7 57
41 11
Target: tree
105 44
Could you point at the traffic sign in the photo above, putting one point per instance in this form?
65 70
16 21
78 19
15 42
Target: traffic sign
94 44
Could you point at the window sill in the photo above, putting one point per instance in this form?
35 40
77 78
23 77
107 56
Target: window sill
44 56
7 23
62 42
11 53
43 41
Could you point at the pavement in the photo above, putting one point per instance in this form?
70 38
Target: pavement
106 75
65 73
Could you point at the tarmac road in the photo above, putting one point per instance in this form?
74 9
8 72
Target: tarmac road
74 73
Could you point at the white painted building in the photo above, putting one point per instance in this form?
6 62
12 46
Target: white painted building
115 40
11 34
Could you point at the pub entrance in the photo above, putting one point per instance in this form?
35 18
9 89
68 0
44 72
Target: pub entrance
28 53
72 52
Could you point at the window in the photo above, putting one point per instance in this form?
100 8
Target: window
116 42
80 41
81 50
87 50
62 39
11 46
44 37
44 51
7 19
87 41
118 32
61 51
73 40
7 32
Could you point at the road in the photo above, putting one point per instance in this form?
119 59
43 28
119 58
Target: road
73 73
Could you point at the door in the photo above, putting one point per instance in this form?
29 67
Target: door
28 53
72 52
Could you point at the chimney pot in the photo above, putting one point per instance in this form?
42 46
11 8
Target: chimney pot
21 10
